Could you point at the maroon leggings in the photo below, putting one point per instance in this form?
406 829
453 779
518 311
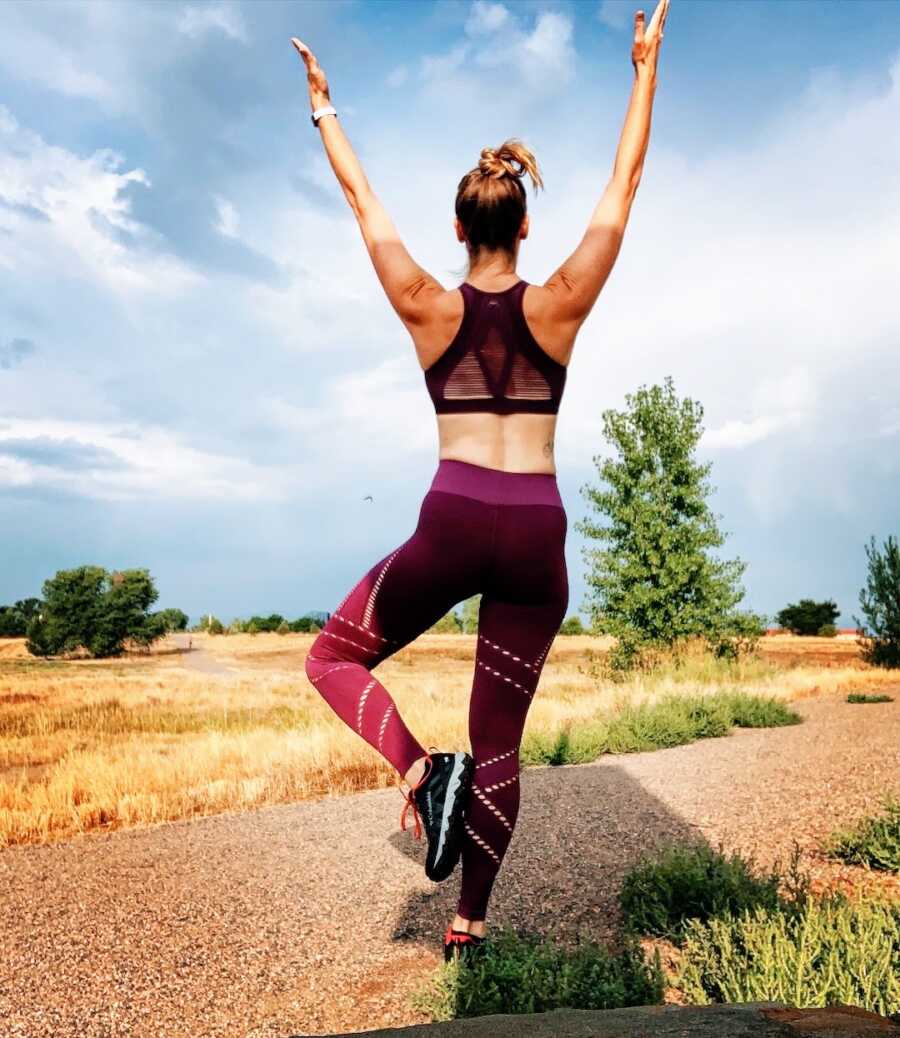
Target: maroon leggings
480 530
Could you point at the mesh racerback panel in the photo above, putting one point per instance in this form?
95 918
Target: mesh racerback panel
494 363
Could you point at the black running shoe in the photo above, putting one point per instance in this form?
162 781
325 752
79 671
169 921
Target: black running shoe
459 945
438 799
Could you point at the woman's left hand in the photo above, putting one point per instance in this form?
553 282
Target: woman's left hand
318 84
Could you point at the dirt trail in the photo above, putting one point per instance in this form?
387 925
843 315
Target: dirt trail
316 917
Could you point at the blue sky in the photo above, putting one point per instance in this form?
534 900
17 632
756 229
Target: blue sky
200 373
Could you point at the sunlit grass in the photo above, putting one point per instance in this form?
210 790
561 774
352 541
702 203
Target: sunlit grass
89 744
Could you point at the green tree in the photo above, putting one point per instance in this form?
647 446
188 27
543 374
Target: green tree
572 625
264 623
173 619
807 616
95 610
469 619
14 619
449 623
656 581
880 604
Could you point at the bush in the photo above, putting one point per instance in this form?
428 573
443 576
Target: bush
528 974
873 841
215 626
827 631
819 953
863 697
671 720
680 883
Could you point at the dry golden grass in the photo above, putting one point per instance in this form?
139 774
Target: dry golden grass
86 744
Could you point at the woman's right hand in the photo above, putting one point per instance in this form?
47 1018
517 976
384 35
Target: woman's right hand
645 49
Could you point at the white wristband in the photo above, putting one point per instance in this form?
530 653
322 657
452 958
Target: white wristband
319 112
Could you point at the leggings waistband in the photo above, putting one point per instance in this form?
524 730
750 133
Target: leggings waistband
494 486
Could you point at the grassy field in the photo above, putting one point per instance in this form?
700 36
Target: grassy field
235 724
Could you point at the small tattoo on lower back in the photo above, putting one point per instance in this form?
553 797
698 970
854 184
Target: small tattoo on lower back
548 448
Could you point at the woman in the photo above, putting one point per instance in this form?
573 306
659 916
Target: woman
494 352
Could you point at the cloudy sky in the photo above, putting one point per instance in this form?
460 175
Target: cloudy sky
200 373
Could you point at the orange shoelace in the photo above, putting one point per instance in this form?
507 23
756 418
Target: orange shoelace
410 801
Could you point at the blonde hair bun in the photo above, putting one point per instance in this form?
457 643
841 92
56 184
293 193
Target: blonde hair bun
511 159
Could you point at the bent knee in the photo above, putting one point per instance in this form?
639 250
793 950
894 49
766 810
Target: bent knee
328 649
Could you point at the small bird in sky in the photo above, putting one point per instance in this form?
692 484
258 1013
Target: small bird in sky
368 497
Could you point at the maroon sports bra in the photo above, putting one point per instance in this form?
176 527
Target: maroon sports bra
494 363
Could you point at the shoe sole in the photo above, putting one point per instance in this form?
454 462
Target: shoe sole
450 841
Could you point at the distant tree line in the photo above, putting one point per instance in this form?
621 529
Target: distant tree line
311 623
466 622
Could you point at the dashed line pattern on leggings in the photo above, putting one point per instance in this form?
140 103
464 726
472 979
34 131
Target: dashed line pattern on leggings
362 703
359 627
370 605
506 652
500 785
349 641
482 843
331 670
384 722
540 658
499 757
491 806
527 691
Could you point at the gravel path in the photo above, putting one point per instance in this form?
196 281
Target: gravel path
316 917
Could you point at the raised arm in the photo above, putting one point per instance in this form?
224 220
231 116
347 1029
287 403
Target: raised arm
575 285
408 286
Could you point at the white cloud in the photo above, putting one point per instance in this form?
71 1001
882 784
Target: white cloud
151 463
69 213
227 219
618 14
486 18
53 62
398 76
195 20
365 420
542 56
736 433
438 66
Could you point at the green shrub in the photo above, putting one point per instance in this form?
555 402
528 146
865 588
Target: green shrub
528 974
671 720
862 697
827 631
823 952
873 841
683 882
